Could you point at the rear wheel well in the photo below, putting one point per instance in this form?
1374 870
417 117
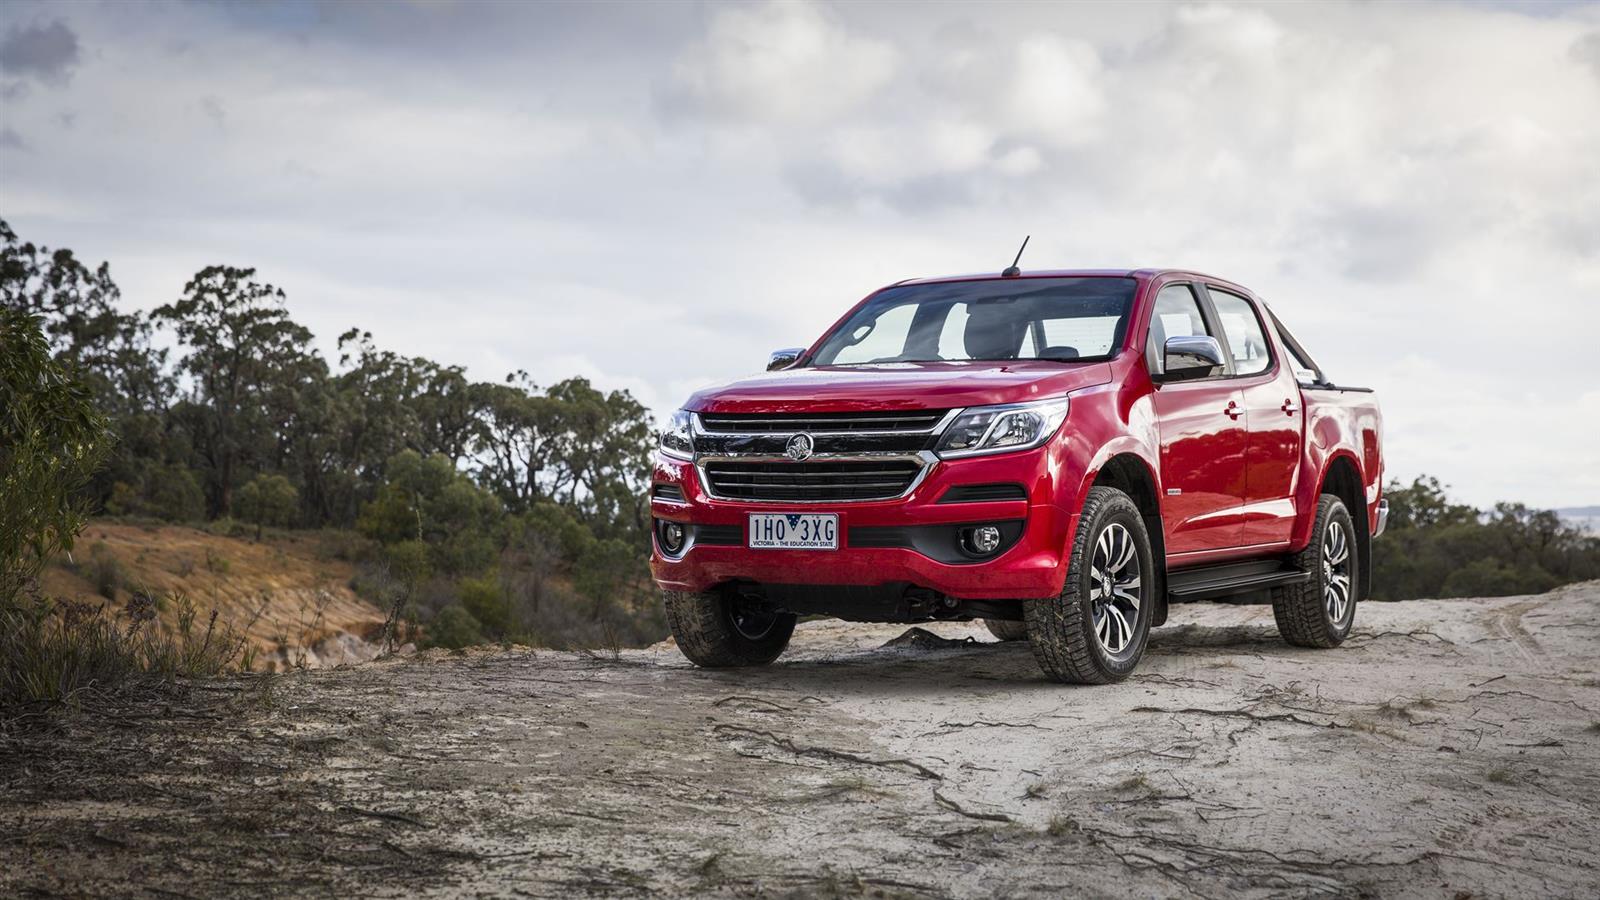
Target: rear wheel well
1343 480
1128 474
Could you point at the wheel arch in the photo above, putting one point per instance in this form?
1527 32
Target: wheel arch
1133 475
1342 478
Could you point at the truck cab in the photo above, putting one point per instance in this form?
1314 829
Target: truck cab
1061 454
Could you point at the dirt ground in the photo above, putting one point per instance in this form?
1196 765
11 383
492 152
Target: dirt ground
288 593
1450 749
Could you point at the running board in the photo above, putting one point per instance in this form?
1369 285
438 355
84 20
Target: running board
1227 579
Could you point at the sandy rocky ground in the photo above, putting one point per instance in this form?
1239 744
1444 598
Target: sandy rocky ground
1450 749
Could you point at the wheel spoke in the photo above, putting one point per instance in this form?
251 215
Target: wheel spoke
1124 549
1339 548
1123 629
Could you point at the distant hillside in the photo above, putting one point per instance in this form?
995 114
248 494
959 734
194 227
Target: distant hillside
1585 517
289 593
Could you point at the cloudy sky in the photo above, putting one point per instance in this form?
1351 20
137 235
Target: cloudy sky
656 195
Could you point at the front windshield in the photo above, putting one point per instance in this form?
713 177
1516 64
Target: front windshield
1065 319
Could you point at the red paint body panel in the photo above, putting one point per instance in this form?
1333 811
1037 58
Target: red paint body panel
897 386
1232 482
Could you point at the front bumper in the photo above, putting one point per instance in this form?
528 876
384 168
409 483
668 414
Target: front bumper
1383 518
1031 566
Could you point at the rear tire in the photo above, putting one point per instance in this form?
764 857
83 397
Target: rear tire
1007 629
718 630
1321 612
1096 631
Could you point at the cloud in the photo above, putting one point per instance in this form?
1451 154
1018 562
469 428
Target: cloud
783 62
1587 51
45 52
656 200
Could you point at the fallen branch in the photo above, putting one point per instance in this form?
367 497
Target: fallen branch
946 727
386 816
1240 714
726 700
826 753
960 810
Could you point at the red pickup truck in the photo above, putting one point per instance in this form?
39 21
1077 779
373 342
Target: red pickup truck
1059 453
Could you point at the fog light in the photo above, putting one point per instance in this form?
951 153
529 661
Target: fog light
983 540
672 536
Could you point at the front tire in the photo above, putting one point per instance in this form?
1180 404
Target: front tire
1096 631
1321 612
719 630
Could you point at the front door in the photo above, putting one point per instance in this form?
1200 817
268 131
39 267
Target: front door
1203 440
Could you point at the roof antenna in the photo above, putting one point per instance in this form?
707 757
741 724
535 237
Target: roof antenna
1012 271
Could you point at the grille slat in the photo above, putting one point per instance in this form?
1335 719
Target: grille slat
919 420
818 481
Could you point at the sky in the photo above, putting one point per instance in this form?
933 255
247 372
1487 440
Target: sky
654 196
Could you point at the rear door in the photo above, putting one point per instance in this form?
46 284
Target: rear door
1203 437
1273 418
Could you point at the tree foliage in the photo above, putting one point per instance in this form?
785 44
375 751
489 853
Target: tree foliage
1435 547
51 440
460 484
267 500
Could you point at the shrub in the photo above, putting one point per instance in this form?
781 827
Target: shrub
168 492
104 571
454 628
484 599
53 651
408 560
267 500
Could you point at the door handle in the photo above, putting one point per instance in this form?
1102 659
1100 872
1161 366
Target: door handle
1290 407
1234 410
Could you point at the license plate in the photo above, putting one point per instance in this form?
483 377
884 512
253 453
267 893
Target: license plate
794 531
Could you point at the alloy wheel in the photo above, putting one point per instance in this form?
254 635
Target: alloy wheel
1336 571
1116 590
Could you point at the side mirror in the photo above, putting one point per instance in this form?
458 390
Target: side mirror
1191 356
783 359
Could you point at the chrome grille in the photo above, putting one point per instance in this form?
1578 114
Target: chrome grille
917 420
824 480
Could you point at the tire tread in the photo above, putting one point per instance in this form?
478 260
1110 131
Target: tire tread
1298 608
1056 628
705 634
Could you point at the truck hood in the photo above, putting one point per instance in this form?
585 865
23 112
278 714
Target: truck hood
923 385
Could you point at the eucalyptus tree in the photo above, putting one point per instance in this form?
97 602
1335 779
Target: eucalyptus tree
247 365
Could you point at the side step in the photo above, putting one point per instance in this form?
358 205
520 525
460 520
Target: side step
1227 579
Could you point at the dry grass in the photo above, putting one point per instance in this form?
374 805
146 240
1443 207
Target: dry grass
1134 782
57 652
1061 826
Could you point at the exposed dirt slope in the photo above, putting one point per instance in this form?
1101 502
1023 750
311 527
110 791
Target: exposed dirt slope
1450 749
287 592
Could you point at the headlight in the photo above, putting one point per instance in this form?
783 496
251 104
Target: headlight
677 439
998 429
